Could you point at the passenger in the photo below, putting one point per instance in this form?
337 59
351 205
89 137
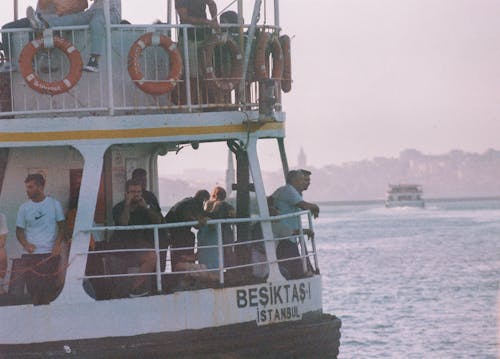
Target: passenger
133 210
288 199
93 16
48 9
3 255
40 228
189 209
194 12
216 208
140 174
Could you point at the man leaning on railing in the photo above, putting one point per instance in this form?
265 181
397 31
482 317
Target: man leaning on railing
288 199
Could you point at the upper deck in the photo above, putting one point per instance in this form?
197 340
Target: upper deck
149 78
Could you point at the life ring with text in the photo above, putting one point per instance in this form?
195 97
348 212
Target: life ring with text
286 82
55 87
265 41
134 66
223 84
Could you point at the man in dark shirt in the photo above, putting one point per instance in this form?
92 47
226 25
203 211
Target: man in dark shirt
134 210
194 12
189 209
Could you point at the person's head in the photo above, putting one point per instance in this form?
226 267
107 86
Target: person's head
307 178
218 194
133 188
202 196
35 184
140 175
230 17
296 179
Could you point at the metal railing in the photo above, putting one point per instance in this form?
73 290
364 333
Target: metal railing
95 94
307 252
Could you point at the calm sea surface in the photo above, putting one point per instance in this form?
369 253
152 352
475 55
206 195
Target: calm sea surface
412 283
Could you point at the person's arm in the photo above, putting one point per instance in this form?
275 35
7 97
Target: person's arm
21 237
187 19
309 206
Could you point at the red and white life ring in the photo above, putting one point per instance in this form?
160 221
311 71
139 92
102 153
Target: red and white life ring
261 57
134 66
286 82
45 87
224 84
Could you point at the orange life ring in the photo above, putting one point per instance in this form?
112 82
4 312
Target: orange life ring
56 87
261 57
134 66
236 63
286 82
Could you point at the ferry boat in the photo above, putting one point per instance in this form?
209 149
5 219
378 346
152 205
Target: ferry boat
404 195
86 133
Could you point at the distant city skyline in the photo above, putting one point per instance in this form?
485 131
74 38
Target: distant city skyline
372 78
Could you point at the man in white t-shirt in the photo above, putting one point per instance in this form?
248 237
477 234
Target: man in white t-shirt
40 230
3 255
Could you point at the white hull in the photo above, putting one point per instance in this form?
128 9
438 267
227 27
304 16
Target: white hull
393 204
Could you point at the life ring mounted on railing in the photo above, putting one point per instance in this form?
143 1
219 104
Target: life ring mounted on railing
224 84
264 41
55 87
134 66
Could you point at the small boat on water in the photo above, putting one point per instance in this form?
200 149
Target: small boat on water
404 195
86 133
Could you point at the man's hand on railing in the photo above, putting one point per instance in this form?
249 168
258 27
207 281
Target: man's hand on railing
201 222
308 232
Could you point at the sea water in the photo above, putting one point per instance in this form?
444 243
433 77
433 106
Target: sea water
412 283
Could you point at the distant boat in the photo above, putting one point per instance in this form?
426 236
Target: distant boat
404 195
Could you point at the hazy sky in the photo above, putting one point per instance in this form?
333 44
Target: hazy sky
373 77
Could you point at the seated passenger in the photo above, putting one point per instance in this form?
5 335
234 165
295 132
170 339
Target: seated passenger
187 210
216 208
48 9
288 199
133 210
93 16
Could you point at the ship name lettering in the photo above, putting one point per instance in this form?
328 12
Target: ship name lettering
272 295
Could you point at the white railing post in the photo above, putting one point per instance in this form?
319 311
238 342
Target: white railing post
313 241
220 251
187 71
303 248
111 100
158 267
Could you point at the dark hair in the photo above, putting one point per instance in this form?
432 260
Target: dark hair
305 172
229 17
35 177
138 172
292 175
202 195
132 182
